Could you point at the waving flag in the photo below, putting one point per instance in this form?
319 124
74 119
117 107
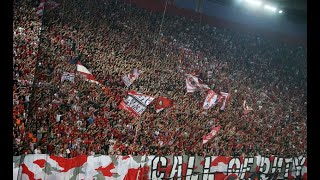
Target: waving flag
246 108
194 84
129 78
40 8
162 103
135 102
49 5
210 100
223 98
213 132
84 71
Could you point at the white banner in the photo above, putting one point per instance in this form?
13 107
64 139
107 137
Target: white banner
67 76
99 167
136 103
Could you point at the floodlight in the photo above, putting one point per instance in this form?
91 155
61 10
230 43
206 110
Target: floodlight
280 11
271 8
254 2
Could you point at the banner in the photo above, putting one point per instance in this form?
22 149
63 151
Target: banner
136 103
100 167
211 100
67 76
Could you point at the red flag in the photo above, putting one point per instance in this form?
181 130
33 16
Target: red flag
162 103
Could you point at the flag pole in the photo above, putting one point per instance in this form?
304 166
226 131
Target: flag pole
62 12
135 136
164 12
156 39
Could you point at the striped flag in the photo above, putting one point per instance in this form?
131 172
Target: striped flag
84 71
50 5
41 8
223 98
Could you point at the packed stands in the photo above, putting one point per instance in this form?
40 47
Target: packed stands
69 116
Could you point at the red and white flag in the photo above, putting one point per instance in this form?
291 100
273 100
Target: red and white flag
135 102
223 99
84 71
41 8
194 84
162 103
246 108
211 99
129 78
212 133
49 5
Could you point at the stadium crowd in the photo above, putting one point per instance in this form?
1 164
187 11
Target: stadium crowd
111 38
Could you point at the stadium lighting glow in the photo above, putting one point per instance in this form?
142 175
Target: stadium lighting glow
280 11
253 2
271 8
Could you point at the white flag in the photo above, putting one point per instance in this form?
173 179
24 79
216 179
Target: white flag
194 84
